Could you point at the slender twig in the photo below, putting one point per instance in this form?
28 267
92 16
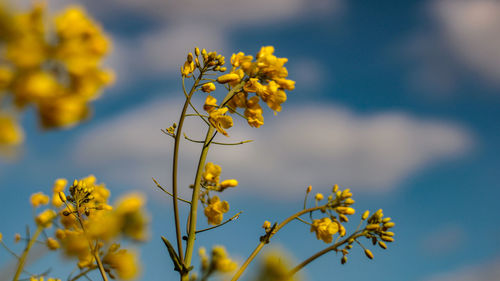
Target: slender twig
22 260
9 250
83 273
265 239
306 222
164 190
197 186
188 96
230 219
175 161
322 252
94 250
218 143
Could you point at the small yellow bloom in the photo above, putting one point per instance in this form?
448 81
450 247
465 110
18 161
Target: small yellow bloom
253 112
318 197
266 225
10 132
325 228
45 218
221 261
215 210
52 243
123 262
17 237
38 199
285 83
229 183
210 104
208 87
187 68
59 185
211 174
253 86
220 121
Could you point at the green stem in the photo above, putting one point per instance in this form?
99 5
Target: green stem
322 252
197 185
81 274
264 240
22 260
175 162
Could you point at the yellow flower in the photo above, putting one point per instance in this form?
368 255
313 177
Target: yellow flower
285 83
345 210
211 174
187 68
221 261
238 100
240 60
253 86
208 87
17 237
63 112
133 220
38 199
220 121
253 112
210 104
10 132
266 225
325 228
230 77
52 244
36 86
59 185
45 218
215 210
229 183
318 197
123 262
275 266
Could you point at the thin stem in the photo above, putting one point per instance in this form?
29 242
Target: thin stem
188 96
230 219
197 185
22 260
164 190
265 239
218 143
94 250
322 252
83 273
175 161
9 250
306 222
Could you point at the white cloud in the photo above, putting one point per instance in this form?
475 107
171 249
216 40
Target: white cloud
458 38
488 271
310 144
472 30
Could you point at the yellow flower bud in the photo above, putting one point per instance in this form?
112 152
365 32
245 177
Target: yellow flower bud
369 254
266 225
309 188
345 210
17 237
226 78
343 260
365 215
372 226
318 197
52 243
382 245
387 238
389 224
229 183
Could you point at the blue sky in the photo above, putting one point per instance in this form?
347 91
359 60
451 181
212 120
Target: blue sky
398 101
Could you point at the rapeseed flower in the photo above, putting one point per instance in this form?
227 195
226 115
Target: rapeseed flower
325 228
215 210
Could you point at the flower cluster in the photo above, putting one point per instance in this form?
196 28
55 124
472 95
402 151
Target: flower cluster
218 262
56 68
265 76
214 208
87 227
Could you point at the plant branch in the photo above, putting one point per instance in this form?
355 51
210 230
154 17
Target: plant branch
164 190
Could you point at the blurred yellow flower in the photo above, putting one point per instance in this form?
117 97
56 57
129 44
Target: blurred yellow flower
10 132
215 210
38 199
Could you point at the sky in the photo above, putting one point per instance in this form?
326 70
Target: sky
397 100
